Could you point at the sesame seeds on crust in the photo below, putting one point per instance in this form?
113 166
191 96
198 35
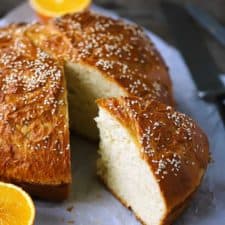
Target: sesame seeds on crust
121 51
32 110
170 141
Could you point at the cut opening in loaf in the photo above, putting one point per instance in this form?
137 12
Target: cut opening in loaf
125 173
85 85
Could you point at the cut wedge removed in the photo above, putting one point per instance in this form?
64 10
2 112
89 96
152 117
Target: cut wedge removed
54 8
16 206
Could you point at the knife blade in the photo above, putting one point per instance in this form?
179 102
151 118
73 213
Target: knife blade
207 22
191 43
197 56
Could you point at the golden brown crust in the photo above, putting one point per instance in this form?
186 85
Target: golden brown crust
55 193
34 134
42 191
51 40
121 52
172 215
174 147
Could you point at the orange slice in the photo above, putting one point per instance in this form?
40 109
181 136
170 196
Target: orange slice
54 8
16 206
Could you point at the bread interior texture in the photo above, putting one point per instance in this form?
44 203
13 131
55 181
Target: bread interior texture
125 173
85 85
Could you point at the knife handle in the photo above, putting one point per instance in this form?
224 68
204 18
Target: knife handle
212 95
220 103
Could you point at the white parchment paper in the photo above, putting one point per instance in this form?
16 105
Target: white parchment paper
91 204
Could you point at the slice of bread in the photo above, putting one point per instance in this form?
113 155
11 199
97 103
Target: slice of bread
34 131
103 58
152 158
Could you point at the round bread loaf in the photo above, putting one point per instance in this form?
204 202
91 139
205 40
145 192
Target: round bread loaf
145 145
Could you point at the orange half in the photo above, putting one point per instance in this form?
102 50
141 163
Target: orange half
16 206
54 8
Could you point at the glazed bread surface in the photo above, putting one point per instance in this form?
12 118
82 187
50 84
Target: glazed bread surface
103 58
151 157
34 132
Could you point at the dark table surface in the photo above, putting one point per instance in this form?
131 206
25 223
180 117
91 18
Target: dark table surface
148 14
